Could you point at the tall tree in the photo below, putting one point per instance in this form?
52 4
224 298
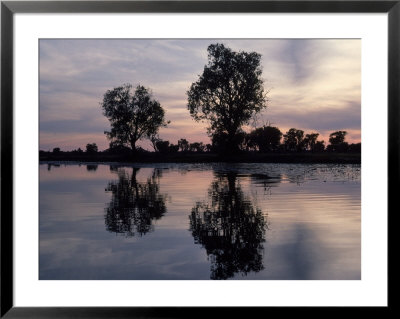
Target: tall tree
132 115
228 93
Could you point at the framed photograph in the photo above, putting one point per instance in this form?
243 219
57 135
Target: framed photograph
165 157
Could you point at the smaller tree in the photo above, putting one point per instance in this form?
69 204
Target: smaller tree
91 148
119 149
293 140
266 138
162 146
132 115
77 151
337 143
56 150
165 147
355 148
319 146
337 137
173 148
310 140
183 145
154 139
197 147
221 144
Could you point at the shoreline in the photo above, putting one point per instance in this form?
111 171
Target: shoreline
284 158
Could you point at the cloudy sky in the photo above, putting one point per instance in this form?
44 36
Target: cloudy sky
314 85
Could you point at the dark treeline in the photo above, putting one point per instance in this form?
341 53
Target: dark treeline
265 144
266 139
227 95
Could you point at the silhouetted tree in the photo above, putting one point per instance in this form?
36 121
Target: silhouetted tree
229 228
293 140
162 146
165 147
220 142
134 205
228 93
266 138
319 146
132 115
183 145
154 139
79 150
173 148
56 150
337 137
197 147
116 148
91 148
337 143
310 140
340 148
249 142
355 148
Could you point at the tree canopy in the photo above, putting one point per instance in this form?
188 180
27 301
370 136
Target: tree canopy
310 141
337 141
294 140
132 115
91 148
228 93
337 137
266 138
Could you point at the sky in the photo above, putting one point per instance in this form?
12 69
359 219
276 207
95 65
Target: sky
312 84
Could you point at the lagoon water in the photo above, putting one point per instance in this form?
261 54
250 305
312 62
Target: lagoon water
200 221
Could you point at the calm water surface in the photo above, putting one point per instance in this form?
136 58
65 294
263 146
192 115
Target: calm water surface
200 221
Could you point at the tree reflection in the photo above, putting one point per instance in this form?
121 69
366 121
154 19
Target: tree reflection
50 165
91 167
134 205
229 228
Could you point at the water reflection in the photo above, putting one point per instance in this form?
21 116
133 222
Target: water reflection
91 167
230 228
134 205
216 226
50 165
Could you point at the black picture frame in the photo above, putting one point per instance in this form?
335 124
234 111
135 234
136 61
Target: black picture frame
9 8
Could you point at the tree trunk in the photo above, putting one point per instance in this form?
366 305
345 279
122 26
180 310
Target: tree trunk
231 144
133 146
